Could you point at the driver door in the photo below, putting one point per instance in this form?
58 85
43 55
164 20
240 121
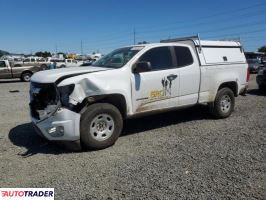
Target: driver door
159 87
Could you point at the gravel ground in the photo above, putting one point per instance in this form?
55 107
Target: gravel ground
177 155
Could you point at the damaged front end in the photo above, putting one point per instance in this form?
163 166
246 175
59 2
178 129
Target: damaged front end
44 100
51 112
47 98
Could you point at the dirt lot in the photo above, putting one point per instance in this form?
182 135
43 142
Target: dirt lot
178 155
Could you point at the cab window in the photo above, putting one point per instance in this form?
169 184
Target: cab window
183 56
2 64
159 57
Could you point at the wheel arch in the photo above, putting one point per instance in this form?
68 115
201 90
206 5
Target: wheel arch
26 71
117 100
230 84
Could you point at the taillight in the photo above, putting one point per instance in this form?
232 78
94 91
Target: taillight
248 75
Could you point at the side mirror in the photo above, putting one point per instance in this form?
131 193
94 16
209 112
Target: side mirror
142 67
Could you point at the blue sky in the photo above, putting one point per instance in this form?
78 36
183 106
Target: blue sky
102 25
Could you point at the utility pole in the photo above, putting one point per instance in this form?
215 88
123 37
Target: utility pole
55 48
81 47
134 35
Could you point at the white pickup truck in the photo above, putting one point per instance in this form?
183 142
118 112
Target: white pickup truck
63 63
89 104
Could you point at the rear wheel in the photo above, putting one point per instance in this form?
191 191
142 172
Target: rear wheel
224 103
25 76
262 88
100 126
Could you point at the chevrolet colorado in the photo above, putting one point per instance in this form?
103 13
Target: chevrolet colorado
89 104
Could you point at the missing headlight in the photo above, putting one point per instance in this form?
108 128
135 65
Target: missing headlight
44 99
65 91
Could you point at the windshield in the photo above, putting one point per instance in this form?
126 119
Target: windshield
253 61
117 58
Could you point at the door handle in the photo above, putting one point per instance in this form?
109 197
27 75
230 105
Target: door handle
172 77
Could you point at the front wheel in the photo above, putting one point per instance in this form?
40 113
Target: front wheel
100 126
224 103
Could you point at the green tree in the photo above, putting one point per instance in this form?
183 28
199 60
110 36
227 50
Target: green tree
262 49
3 53
44 54
144 42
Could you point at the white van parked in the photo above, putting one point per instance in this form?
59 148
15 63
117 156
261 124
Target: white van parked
89 104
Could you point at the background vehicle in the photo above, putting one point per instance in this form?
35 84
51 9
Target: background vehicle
87 63
9 70
33 61
134 81
261 78
254 65
65 63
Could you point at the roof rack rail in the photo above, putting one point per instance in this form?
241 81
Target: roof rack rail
180 39
184 38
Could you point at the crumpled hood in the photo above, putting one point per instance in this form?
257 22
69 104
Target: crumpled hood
51 76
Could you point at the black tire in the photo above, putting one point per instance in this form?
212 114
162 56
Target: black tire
224 103
62 66
262 88
25 76
88 137
44 67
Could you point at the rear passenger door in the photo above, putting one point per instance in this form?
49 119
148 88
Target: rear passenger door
158 88
189 72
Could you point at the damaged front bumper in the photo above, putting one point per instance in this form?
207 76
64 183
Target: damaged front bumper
50 118
63 125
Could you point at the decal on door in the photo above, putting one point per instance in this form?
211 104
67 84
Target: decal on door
159 94
167 88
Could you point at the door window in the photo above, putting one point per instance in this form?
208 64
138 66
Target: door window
183 56
159 57
2 64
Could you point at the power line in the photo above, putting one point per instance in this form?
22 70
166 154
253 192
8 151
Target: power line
237 33
233 11
205 20
214 21
118 36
